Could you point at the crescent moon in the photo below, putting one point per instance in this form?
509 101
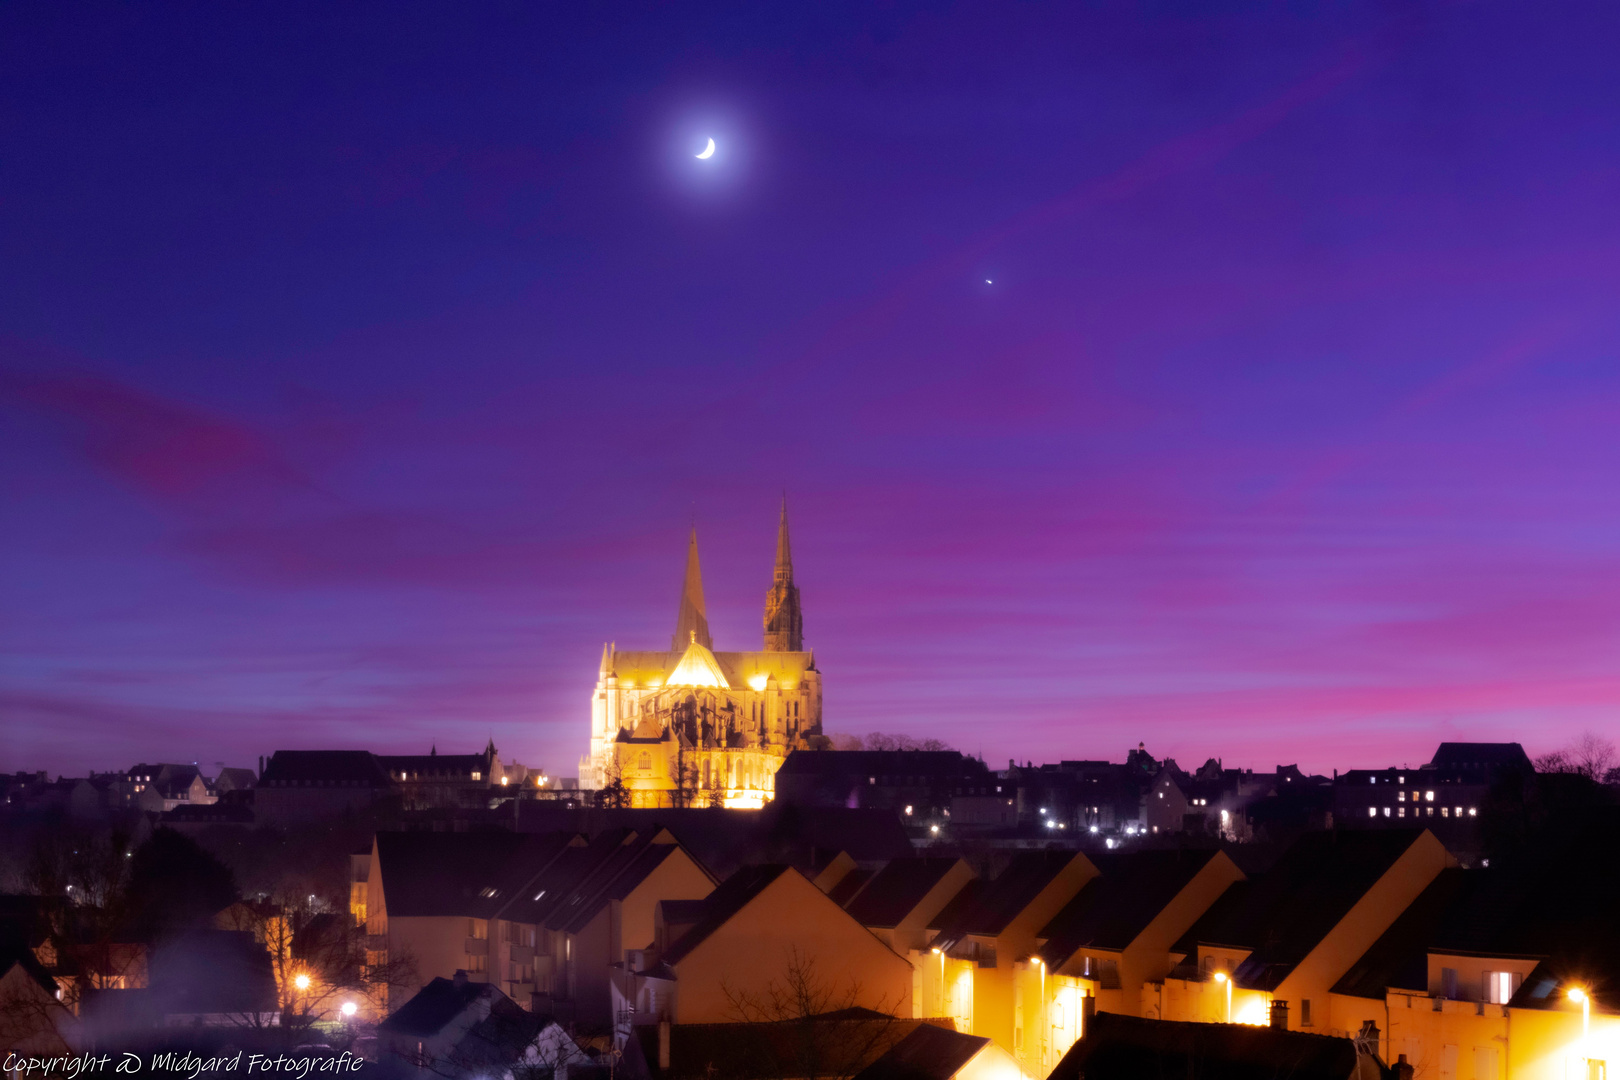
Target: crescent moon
708 152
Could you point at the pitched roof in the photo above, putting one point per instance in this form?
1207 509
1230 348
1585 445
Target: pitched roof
1127 1048
1461 755
989 908
833 1044
932 764
1284 914
848 886
307 768
1115 907
930 1052
896 890
499 1036
1400 958
434 1006
697 667
462 874
730 897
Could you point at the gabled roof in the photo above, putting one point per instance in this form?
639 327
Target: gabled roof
499 1037
1128 1048
832 1044
1284 914
461 874
1115 907
988 909
697 667
730 897
883 764
309 768
928 1053
848 886
1481 755
551 893
1400 957
896 890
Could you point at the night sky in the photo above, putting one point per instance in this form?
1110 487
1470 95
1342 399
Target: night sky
1237 378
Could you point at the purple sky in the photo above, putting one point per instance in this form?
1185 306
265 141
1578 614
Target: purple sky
361 369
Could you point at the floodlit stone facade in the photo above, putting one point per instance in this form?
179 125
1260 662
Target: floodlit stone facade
694 727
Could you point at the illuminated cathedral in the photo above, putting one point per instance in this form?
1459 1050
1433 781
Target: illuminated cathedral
695 727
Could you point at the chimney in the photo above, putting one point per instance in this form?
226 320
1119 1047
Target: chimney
460 978
1402 1071
663 1045
1279 1015
1088 1013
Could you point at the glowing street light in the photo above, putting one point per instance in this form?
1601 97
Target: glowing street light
349 1009
1226 981
1581 998
302 982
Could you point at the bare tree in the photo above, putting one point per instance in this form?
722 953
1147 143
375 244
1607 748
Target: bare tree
1591 756
878 740
613 795
319 960
806 1027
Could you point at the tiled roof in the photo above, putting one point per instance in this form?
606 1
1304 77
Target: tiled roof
928 1053
321 768
730 897
1399 958
896 890
464 874
1129 1048
1115 907
1284 914
886 765
988 909
837 1044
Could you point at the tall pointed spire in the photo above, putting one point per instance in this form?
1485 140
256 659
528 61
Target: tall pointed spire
691 622
784 550
784 623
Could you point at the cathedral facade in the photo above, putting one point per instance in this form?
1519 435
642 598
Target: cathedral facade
694 727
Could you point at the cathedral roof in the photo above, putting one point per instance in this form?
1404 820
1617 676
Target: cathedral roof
697 667
739 669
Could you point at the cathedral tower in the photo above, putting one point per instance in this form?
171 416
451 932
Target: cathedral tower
691 621
784 623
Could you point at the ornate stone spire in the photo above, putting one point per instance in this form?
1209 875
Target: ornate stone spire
691 622
784 623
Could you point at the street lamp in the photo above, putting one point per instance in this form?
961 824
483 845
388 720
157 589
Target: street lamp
1226 981
302 982
349 1009
1581 998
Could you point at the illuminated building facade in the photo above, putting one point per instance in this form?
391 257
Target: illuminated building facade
694 727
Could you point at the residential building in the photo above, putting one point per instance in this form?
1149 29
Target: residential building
300 786
458 1027
1119 1047
935 1052
1112 942
969 971
919 785
765 932
1292 933
898 902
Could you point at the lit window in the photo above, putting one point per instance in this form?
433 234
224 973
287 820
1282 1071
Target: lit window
1372 811
1473 811
1401 812
1445 811
477 776
1400 780
1386 811
1400 796
1428 796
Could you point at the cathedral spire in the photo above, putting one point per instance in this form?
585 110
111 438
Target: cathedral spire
691 622
784 623
784 550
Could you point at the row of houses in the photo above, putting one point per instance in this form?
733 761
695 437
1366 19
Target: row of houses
1463 973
